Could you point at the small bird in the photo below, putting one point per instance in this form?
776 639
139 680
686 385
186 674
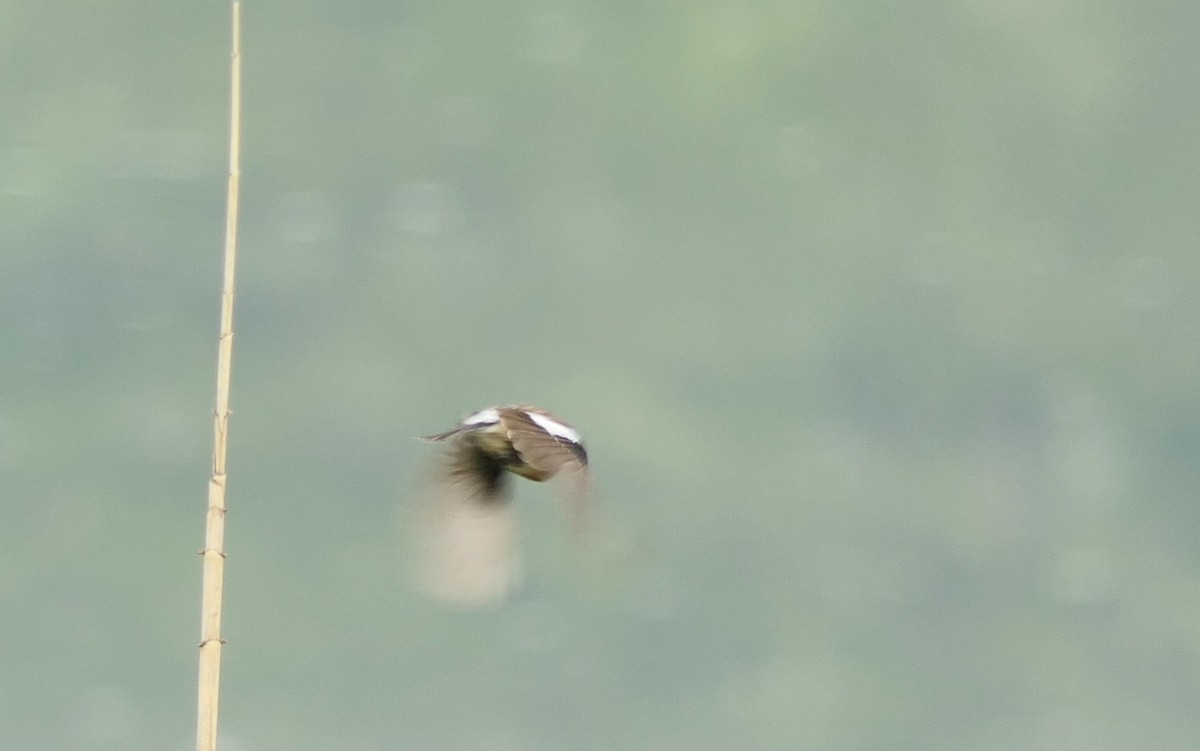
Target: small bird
468 532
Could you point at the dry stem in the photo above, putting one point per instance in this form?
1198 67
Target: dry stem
214 536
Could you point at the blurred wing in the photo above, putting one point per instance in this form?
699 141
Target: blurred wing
574 485
466 537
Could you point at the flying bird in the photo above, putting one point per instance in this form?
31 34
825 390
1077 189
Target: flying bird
468 535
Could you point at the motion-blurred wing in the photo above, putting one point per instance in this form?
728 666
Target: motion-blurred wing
467 534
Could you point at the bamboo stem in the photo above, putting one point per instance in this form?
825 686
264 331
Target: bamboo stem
214 534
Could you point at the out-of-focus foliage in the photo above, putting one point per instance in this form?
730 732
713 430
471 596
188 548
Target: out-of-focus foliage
880 320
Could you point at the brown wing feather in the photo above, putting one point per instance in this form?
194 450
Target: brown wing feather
560 459
540 449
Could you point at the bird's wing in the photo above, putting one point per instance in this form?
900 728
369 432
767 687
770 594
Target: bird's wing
562 459
540 448
467 534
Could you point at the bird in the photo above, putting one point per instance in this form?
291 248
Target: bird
468 551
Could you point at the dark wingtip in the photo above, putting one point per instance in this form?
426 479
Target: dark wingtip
578 451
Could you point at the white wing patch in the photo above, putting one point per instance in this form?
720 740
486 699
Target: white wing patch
554 428
487 416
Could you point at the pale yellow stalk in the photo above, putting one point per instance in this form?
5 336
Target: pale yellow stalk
214 535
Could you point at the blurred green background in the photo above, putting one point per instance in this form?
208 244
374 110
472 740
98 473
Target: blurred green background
880 320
